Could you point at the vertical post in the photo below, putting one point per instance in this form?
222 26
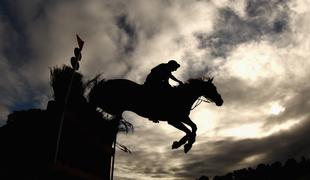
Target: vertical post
114 148
113 159
75 66
62 120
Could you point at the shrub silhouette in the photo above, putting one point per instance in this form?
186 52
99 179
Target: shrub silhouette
28 140
290 170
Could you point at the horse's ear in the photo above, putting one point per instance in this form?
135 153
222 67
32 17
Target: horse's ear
211 79
205 78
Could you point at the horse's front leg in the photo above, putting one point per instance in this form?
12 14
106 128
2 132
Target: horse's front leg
182 127
189 122
177 144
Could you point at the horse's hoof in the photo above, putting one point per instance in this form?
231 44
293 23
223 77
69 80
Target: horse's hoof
187 147
175 145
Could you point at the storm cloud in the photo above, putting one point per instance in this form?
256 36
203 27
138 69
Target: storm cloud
262 20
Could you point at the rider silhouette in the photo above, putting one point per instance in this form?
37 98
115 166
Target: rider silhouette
160 75
159 78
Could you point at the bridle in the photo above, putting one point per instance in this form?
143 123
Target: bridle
199 101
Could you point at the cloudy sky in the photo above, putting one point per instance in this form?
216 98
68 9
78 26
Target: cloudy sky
257 50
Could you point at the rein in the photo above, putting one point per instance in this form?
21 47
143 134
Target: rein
199 101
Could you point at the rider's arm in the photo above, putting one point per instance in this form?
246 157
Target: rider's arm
175 79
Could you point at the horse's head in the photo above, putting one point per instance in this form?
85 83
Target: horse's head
208 90
211 93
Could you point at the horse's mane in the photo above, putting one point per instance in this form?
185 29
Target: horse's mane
195 80
192 81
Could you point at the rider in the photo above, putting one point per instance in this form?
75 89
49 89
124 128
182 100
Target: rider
160 75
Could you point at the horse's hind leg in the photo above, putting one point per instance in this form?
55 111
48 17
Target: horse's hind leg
182 127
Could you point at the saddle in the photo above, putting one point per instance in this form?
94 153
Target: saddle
158 95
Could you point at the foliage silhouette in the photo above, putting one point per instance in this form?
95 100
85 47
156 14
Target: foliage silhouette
29 138
290 170
203 178
61 79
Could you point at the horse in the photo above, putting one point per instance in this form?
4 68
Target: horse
171 104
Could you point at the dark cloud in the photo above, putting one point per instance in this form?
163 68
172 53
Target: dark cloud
263 19
129 29
243 94
20 18
14 53
296 107
280 26
152 157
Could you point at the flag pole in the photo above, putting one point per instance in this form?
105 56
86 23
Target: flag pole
75 66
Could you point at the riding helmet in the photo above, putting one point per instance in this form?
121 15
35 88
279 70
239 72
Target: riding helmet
174 64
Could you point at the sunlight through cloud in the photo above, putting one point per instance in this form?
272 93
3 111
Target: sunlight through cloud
244 131
255 61
276 109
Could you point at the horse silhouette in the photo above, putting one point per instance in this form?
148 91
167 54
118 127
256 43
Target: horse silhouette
164 104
